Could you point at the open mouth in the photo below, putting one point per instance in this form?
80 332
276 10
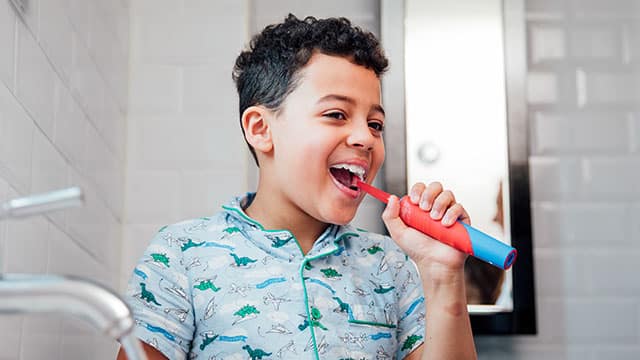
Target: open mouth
348 175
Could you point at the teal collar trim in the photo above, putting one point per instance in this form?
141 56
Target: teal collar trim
328 243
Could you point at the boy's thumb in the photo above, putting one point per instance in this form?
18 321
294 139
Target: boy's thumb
391 217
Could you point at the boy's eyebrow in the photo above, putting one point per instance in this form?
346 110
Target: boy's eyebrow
376 107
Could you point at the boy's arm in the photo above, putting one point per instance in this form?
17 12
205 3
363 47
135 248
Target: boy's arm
150 351
448 328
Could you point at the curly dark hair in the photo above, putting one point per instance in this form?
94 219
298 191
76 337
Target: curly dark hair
266 73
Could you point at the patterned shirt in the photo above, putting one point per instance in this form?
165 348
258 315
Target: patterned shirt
223 287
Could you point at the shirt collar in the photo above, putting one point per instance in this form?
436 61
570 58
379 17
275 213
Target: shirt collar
282 243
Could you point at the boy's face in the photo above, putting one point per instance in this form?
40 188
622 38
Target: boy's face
332 120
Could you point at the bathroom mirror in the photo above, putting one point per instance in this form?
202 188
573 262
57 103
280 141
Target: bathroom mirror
456 113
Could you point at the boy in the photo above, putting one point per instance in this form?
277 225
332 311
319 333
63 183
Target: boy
235 286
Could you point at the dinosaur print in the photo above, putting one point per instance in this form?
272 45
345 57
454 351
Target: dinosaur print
343 306
206 285
315 320
190 244
374 249
160 259
256 354
207 339
278 241
330 273
410 342
242 261
146 295
381 289
245 313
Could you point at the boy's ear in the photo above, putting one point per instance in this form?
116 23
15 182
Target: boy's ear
255 123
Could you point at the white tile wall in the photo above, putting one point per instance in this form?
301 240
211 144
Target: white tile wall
582 97
61 124
185 152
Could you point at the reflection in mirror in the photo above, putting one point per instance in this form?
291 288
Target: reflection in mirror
456 121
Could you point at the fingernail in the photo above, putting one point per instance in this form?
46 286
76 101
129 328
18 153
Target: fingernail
414 197
435 213
446 220
423 205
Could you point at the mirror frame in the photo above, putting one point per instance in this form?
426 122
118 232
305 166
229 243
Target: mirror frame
522 319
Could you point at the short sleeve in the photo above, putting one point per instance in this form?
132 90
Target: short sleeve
411 304
160 297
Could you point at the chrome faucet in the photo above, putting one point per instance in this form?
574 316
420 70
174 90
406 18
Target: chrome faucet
101 307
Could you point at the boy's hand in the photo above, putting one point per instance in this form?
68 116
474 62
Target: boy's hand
428 253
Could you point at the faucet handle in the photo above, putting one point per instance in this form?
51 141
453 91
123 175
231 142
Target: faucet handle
41 203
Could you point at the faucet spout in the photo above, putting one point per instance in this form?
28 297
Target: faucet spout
102 308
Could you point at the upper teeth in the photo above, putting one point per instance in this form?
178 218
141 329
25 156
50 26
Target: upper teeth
355 169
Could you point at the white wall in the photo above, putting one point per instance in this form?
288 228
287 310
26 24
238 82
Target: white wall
63 103
186 155
583 97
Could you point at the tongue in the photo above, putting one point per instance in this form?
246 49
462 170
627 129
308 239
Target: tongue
344 176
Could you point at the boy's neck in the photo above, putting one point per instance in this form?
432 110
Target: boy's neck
274 213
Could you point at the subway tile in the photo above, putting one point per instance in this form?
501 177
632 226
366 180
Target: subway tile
554 178
56 36
16 141
597 132
612 178
49 171
563 273
598 225
11 330
87 86
611 88
617 272
40 336
66 256
546 43
597 40
152 196
35 81
7 41
205 95
31 16
542 88
71 126
78 13
155 90
631 352
203 192
586 321
27 245
599 9
549 133
187 143
84 224
547 224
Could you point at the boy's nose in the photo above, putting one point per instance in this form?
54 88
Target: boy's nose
361 137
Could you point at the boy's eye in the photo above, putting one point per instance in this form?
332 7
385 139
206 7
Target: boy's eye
336 115
377 126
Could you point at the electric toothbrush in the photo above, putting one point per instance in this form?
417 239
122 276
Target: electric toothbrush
460 235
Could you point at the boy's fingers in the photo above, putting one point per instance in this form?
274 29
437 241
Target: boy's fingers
429 195
391 216
416 190
442 202
455 212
